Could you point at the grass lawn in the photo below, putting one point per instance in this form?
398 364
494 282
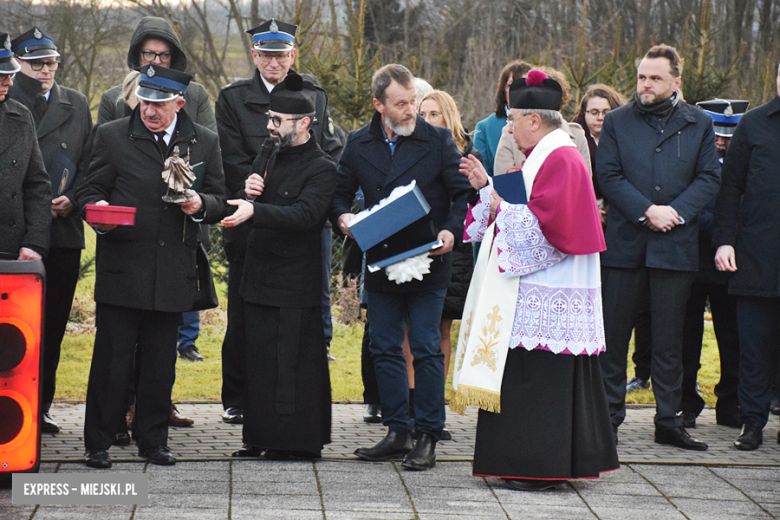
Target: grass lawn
203 380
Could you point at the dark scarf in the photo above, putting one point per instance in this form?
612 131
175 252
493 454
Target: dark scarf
662 110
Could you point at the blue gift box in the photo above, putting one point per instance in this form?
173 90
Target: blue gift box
390 218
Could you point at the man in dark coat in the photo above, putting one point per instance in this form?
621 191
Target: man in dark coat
287 389
711 285
243 128
25 193
155 42
394 149
747 235
145 274
657 166
63 124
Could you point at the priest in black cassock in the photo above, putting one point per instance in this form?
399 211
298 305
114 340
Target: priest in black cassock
287 394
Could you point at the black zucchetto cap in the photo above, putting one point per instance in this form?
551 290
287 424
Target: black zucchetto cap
34 45
273 36
8 65
293 95
535 91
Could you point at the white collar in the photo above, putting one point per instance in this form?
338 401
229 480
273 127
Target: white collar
47 95
169 130
268 86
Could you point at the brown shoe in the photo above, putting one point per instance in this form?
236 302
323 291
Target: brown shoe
177 419
130 416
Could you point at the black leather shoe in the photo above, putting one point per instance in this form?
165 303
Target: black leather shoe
122 439
446 435
423 456
190 353
393 446
98 459
48 425
372 414
751 437
247 450
774 406
160 455
732 420
529 484
233 415
680 438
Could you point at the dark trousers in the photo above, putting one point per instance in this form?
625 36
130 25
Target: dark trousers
388 319
757 320
724 319
233 346
370 387
62 275
623 291
119 330
643 342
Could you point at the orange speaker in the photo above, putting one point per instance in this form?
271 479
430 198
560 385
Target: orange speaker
21 327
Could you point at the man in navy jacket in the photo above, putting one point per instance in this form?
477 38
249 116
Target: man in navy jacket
658 167
394 149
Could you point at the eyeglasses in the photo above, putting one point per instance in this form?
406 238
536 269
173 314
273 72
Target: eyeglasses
277 121
37 65
267 58
595 113
150 56
509 120
9 76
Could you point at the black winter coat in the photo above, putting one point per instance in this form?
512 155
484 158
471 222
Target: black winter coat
63 137
150 265
746 215
25 190
428 156
638 166
283 265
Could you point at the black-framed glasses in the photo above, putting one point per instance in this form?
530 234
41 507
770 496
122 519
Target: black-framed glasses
150 56
37 65
9 76
277 121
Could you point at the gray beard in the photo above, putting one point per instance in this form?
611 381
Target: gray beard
285 141
401 130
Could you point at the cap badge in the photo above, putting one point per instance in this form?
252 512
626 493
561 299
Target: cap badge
150 71
7 43
273 28
37 34
729 111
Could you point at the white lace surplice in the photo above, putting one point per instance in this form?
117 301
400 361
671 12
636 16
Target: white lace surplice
559 305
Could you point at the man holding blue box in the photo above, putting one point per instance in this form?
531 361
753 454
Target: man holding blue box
394 149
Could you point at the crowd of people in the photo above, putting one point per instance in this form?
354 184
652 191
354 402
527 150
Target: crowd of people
555 242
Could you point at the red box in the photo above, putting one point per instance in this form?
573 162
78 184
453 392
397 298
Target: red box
119 215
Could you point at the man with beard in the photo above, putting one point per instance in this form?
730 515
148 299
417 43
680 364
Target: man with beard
63 124
25 195
243 128
394 149
287 395
657 166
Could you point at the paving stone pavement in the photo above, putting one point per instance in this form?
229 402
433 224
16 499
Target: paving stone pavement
655 482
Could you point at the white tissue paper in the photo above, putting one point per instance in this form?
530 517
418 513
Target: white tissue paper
410 269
